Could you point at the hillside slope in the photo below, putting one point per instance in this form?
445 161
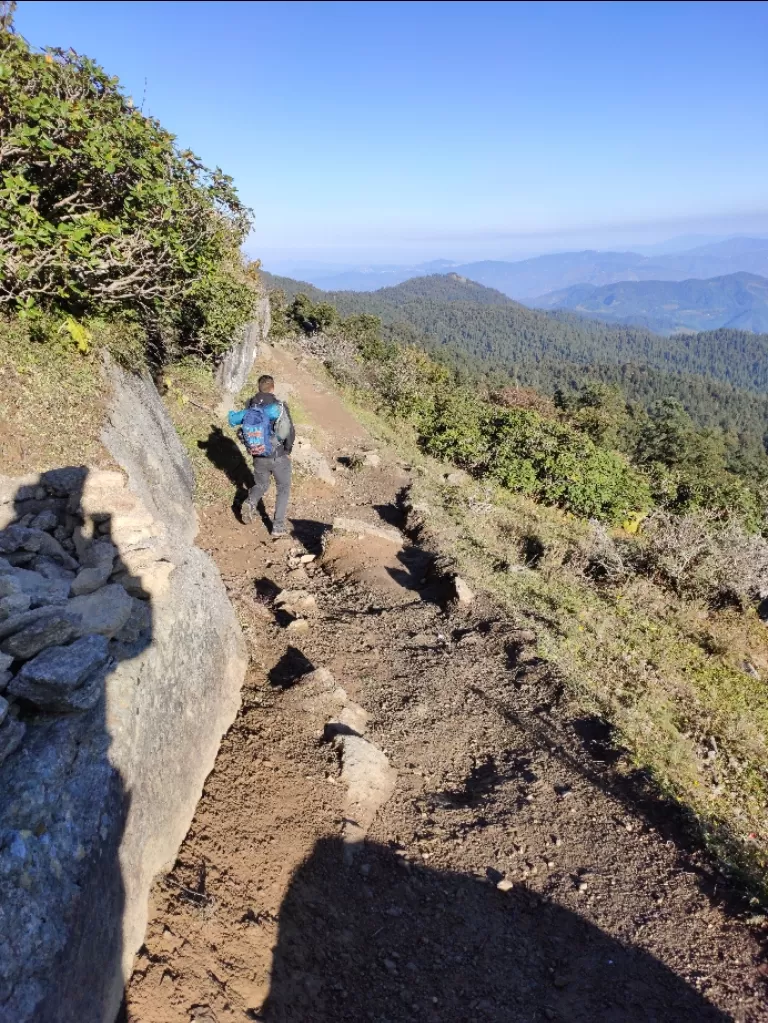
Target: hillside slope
510 843
479 328
738 301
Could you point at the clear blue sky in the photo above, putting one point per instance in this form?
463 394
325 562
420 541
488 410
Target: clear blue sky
417 130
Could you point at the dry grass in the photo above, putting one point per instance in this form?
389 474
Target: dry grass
52 404
680 680
192 398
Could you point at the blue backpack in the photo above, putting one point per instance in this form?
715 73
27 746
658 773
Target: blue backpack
257 432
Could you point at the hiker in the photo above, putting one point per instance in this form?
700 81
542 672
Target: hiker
267 431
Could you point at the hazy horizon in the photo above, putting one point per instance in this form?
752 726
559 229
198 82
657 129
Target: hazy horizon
666 244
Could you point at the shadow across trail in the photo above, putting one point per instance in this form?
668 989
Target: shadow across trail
224 453
587 746
392 943
310 533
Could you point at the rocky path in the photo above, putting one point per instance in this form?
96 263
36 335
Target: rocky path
506 875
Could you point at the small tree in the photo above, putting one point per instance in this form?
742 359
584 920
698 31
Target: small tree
102 214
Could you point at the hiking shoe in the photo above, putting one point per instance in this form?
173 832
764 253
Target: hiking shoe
247 513
278 532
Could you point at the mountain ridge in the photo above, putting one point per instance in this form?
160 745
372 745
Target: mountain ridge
530 278
738 301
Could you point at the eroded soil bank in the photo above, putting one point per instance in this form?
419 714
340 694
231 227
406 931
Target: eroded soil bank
511 876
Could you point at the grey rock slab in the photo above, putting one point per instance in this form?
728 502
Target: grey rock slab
312 461
9 584
463 594
14 604
234 368
51 547
362 528
46 520
296 600
65 481
105 612
89 579
100 552
41 591
51 568
65 678
20 559
351 720
139 622
5 678
51 630
19 538
142 438
11 733
17 622
69 942
4 705
5 662
150 583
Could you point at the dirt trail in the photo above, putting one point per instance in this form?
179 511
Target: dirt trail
606 919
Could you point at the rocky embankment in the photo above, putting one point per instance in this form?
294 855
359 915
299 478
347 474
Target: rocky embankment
120 667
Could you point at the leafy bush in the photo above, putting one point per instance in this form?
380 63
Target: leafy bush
519 448
688 468
102 214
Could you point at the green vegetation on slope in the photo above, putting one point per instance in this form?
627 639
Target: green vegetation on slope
103 217
656 630
501 336
576 455
721 377
51 402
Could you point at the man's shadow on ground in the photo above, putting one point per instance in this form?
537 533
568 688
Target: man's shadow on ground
225 454
386 941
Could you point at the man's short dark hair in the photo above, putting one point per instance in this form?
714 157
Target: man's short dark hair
266 383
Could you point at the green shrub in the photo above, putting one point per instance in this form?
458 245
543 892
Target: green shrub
101 214
535 455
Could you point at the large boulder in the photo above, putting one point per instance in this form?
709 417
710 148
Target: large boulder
101 772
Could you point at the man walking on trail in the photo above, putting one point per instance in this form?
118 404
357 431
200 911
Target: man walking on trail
268 434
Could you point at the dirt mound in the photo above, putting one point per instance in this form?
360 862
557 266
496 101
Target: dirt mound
374 563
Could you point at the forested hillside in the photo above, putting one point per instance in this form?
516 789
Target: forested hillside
720 376
737 300
481 325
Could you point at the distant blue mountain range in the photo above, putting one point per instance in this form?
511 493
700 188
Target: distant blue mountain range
738 301
529 279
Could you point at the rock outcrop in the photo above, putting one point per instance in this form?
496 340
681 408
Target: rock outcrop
120 667
234 368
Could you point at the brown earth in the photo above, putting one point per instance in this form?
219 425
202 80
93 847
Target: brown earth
606 917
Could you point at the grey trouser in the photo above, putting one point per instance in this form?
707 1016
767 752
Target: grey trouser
278 466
